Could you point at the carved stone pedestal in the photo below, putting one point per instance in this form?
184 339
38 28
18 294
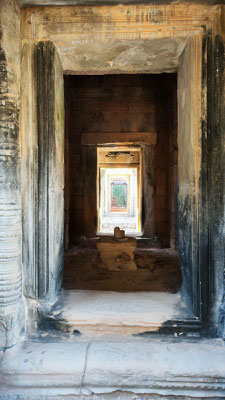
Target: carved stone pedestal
117 254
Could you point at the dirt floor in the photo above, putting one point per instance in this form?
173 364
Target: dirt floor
158 270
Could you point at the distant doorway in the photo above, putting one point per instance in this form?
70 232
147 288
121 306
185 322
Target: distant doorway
119 191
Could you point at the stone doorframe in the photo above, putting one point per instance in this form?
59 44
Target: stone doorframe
89 40
42 171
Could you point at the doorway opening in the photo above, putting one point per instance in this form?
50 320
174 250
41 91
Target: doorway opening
121 159
119 189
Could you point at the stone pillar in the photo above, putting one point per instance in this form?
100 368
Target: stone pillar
42 142
216 150
50 191
11 305
148 181
90 200
190 105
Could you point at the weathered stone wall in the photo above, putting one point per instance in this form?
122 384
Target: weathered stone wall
216 150
11 303
189 161
201 177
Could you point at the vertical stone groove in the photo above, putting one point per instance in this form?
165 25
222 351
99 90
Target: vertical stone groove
44 72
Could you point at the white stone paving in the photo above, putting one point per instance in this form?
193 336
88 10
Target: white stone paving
145 310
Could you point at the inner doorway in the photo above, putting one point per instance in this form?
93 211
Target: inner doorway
119 189
109 117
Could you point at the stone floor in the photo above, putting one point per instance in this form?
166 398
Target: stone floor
99 314
92 344
158 270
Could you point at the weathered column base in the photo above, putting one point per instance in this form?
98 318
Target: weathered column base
12 328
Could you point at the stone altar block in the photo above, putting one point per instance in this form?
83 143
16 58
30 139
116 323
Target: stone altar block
117 254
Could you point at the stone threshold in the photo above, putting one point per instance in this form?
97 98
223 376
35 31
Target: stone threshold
86 311
144 369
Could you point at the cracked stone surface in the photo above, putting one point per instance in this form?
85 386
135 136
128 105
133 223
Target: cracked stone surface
174 366
40 365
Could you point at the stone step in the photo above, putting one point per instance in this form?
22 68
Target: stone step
116 370
93 313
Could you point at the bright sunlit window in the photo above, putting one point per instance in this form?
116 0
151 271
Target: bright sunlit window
119 190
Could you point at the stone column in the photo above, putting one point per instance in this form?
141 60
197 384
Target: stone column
11 305
90 200
148 182
191 214
216 155
50 190
42 143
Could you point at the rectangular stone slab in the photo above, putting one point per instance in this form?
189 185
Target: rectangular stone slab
81 370
43 368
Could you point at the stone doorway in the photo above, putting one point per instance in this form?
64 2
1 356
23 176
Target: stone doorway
46 274
181 54
119 191
88 343
122 130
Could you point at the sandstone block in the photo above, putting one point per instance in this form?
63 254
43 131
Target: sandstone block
116 255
